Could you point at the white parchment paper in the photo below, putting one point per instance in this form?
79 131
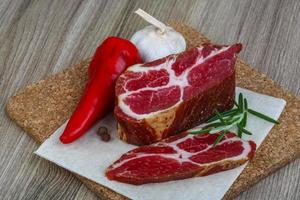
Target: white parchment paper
89 157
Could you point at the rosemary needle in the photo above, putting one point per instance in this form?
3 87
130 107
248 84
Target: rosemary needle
200 131
244 130
244 120
240 132
220 117
219 138
262 116
235 103
215 124
224 114
241 102
245 104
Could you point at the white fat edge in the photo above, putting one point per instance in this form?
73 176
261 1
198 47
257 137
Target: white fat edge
126 109
181 81
183 156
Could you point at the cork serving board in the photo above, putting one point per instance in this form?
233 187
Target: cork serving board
42 107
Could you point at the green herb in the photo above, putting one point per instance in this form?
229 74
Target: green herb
241 102
235 103
219 138
223 121
245 103
232 119
243 123
244 130
200 131
240 132
262 116
224 114
220 117
213 125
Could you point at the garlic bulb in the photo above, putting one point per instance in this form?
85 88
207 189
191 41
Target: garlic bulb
157 40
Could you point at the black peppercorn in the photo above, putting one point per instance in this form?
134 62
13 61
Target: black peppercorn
103 133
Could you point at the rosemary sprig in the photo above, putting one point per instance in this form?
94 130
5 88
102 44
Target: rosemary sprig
223 121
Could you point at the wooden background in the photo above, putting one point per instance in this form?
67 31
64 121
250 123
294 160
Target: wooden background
38 38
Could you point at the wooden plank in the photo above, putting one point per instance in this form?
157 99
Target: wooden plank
41 37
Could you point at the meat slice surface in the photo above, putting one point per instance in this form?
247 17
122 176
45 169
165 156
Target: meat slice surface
167 96
179 157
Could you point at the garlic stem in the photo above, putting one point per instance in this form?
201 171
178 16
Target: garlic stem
151 20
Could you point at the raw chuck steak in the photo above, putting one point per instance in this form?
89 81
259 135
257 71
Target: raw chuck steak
179 157
158 99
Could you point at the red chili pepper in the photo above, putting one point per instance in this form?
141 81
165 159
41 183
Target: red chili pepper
111 58
112 46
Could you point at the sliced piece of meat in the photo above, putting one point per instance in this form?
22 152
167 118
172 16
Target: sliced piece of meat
179 157
167 96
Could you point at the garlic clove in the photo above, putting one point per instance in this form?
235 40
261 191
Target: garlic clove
157 40
153 44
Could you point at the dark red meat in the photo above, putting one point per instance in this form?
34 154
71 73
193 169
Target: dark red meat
179 157
175 93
